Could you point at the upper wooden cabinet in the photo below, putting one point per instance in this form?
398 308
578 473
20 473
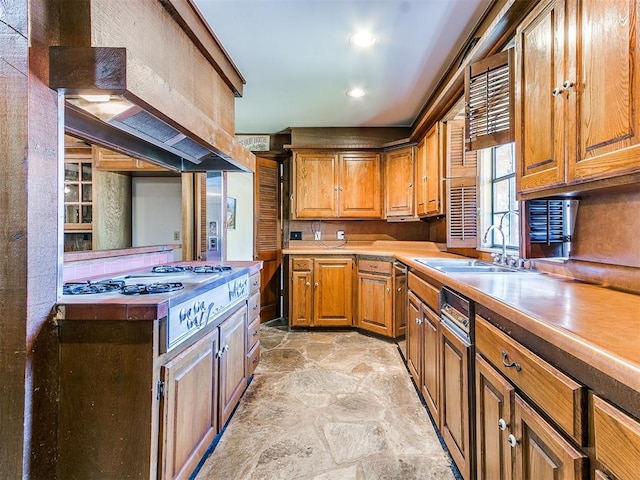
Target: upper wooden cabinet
337 185
428 174
576 100
105 159
399 183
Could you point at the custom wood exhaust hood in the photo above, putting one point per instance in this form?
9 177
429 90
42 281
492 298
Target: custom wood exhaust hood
165 93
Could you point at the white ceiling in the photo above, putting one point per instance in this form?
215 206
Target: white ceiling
298 63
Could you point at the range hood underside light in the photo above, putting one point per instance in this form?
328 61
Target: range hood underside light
122 123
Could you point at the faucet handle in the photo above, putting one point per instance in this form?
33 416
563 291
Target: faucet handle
497 257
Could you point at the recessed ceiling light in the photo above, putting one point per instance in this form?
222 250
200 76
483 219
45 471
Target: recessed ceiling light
362 39
356 92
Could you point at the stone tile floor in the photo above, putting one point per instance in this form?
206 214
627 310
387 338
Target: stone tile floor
335 405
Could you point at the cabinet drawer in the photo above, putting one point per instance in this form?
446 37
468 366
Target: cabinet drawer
375 266
298 263
617 440
254 283
253 358
556 394
254 306
427 292
253 333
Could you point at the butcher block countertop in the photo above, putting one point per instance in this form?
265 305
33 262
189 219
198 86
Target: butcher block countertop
597 326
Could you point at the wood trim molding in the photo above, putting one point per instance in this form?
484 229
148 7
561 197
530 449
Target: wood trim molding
187 15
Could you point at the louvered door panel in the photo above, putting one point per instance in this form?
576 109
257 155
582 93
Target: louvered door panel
489 99
460 163
462 214
267 235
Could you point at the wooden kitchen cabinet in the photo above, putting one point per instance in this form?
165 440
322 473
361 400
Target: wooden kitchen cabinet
321 291
375 296
423 349
541 452
494 400
189 408
399 180
233 379
455 398
337 185
105 159
507 373
253 325
616 441
576 95
429 174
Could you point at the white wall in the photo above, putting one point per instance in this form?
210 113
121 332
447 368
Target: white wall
156 211
240 240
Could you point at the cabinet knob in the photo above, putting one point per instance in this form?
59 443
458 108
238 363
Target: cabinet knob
388 290
335 188
557 91
254 361
341 188
511 440
399 289
316 284
308 284
411 184
567 84
255 307
226 348
502 425
255 333
418 321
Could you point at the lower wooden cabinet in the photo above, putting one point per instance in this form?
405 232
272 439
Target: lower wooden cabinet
541 452
253 325
494 400
455 401
616 442
375 296
128 411
321 291
513 439
233 379
189 408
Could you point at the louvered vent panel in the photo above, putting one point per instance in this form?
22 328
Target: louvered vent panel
462 218
488 94
546 221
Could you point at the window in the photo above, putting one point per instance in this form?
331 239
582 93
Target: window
498 194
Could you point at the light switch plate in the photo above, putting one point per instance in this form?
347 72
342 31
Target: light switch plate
317 235
295 236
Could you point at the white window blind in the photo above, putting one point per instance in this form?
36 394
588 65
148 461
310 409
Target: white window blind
489 101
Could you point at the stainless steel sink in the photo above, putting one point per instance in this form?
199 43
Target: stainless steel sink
464 265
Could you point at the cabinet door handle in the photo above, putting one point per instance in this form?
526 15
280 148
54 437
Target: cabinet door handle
511 440
255 333
418 321
316 284
226 348
388 290
557 91
502 425
255 307
567 84
308 284
399 289
508 364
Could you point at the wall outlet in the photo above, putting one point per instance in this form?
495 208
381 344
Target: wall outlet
340 234
295 235
176 236
317 235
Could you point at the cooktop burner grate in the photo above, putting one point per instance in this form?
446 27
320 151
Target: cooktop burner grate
87 288
151 288
189 268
